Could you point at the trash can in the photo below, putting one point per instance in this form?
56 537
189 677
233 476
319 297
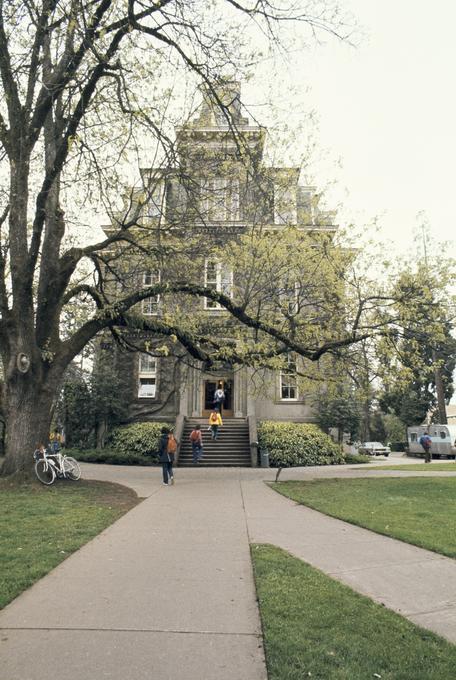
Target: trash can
264 458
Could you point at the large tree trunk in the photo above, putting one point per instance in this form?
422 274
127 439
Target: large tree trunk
28 419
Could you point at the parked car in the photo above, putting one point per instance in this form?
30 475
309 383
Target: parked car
374 449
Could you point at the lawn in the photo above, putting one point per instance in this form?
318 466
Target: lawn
421 467
40 526
417 510
315 627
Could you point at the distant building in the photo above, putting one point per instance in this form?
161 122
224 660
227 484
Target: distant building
226 204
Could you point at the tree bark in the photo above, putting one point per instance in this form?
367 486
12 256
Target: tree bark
28 418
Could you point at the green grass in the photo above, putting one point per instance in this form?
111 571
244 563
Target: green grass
417 510
315 627
421 467
40 526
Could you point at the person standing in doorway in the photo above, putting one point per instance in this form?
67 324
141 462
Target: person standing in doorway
164 457
219 398
426 443
215 421
196 439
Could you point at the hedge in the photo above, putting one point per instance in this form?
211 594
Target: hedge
356 458
137 438
293 444
110 457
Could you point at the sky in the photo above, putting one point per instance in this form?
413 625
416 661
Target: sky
386 116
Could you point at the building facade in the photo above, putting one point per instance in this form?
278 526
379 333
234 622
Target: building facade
209 188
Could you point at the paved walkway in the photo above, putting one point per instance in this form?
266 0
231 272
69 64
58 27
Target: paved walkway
167 592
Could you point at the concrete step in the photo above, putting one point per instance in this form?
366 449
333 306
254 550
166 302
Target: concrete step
231 449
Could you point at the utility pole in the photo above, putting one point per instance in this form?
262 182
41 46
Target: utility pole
439 388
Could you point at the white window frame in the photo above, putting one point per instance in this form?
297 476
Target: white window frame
290 298
288 380
219 283
150 305
220 201
147 371
154 201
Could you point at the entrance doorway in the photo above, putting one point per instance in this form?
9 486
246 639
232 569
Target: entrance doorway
209 387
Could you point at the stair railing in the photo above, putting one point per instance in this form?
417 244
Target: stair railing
253 440
178 432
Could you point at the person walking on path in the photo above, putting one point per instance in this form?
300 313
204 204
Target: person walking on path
164 457
219 398
426 443
215 421
171 449
196 439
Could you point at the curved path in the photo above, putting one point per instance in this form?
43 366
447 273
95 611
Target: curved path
167 592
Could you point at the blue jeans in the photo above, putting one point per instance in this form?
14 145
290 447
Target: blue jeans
214 432
167 469
197 452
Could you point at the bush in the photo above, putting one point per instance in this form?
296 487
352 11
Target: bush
110 457
353 458
139 438
291 444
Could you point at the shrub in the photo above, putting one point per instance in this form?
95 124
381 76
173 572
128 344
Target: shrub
139 438
353 458
110 457
291 444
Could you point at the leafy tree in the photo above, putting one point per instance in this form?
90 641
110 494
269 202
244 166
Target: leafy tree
421 342
80 85
109 406
81 89
395 428
341 412
74 410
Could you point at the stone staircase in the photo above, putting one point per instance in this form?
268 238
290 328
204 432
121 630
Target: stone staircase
230 450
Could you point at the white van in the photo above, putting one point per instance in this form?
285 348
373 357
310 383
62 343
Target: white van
443 440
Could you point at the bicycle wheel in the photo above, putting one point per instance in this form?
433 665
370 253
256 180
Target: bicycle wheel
44 472
71 468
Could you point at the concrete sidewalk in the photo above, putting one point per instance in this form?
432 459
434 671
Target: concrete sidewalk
167 592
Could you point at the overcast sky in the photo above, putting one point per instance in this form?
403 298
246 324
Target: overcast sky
387 109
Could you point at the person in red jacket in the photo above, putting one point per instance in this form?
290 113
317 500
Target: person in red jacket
196 439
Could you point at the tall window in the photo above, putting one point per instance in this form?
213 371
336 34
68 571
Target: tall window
149 306
220 199
288 380
220 278
290 297
147 376
154 201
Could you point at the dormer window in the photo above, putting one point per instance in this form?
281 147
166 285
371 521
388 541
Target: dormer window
220 199
154 201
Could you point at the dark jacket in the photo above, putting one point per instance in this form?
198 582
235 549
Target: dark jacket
163 455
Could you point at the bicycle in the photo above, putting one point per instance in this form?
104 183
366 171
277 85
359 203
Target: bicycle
49 466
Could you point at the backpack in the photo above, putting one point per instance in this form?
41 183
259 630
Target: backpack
195 435
172 444
425 441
